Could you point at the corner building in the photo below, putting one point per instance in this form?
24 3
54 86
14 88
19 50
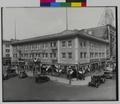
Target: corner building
67 47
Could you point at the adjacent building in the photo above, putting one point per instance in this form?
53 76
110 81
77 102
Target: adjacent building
68 47
7 52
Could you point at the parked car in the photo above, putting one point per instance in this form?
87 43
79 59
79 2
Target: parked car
96 80
101 78
94 83
108 74
9 73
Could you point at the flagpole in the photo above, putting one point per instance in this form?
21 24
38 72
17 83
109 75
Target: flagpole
15 28
66 19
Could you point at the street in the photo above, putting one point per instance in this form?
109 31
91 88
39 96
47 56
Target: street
15 89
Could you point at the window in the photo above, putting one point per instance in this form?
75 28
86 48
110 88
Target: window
70 55
99 54
46 54
38 54
95 54
43 55
69 43
81 54
63 55
51 44
50 55
54 44
63 44
7 55
85 55
81 44
7 50
54 55
84 44
91 54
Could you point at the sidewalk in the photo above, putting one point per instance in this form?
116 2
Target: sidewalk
73 81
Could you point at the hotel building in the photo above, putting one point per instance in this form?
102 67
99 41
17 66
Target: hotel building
68 47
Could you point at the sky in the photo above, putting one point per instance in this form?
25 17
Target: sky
33 22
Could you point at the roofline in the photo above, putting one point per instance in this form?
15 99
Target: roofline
44 38
59 36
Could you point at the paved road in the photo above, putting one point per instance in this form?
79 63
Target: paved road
16 89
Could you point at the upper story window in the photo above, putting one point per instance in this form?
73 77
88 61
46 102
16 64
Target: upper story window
81 54
70 55
7 55
46 45
83 44
54 55
91 54
46 55
99 54
50 55
85 54
53 44
63 44
43 55
7 50
70 43
63 55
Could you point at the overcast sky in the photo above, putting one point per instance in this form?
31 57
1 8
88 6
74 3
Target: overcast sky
32 22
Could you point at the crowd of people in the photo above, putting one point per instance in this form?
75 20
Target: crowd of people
69 71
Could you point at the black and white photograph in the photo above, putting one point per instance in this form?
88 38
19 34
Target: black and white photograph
59 54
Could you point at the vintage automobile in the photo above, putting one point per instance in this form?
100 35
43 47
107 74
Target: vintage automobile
8 73
101 78
96 81
108 74
41 78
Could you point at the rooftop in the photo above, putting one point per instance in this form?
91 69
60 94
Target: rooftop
97 34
